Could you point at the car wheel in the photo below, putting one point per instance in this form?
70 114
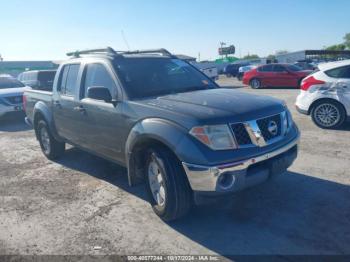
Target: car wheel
255 83
51 148
169 191
328 114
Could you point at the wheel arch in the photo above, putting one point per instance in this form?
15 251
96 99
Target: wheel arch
42 112
149 133
325 99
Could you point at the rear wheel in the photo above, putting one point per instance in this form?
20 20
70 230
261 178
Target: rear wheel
255 83
328 114
51 148
169 191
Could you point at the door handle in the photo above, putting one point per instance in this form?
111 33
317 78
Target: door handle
81 109
57 104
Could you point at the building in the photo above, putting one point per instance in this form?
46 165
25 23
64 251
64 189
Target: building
14 68
313 55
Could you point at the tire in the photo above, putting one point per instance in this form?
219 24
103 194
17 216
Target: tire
51 148
255 83
335 117
174 198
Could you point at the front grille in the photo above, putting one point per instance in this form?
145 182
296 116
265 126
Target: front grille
241 134
264 126
14 100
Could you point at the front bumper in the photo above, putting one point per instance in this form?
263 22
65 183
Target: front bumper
236 176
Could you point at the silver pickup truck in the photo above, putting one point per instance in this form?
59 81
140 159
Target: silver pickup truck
167 122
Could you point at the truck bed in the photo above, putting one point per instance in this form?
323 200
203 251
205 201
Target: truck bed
34 96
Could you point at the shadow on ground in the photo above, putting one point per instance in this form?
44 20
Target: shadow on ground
294 214
13 123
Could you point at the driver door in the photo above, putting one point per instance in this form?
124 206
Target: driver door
104 121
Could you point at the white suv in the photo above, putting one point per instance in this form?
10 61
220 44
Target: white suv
325 95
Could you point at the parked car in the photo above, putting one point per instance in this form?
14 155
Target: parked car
244 69
231 70
167 122
11 92
38 79
306 65
325 95
275 75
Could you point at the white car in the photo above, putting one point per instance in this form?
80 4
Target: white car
11 92
325 94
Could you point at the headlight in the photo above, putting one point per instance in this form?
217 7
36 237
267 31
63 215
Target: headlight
218 137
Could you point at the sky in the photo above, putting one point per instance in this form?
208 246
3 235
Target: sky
47 29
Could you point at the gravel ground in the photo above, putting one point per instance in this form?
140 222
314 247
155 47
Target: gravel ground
82 204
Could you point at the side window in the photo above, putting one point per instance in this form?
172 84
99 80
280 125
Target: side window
266 68
279 68
68 80
97 75
63 79
340 72
72 77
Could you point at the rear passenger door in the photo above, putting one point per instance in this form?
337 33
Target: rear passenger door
104 125
64 103
266 75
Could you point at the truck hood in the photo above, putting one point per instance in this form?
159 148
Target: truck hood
219 105
13 91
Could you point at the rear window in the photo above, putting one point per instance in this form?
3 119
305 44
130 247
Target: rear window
340 72
46 79
6 82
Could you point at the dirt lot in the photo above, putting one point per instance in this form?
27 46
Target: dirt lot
82 204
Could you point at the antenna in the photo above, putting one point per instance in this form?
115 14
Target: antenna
125 41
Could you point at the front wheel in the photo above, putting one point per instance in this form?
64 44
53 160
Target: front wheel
255 83
51 148
169 191
328 114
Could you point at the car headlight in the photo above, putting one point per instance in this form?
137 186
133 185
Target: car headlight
217 137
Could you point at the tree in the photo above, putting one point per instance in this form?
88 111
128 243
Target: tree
251 57
347 40
282 52
339 47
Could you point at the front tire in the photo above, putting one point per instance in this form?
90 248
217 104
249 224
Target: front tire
255 83
328 114
166 183
51 148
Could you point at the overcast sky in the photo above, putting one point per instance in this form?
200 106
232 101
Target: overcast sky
47 29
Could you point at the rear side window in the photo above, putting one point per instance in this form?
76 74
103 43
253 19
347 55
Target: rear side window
68 82
266 68
97 75
340 72
279 68
7 82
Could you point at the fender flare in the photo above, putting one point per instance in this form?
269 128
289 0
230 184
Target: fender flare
165 132
42 109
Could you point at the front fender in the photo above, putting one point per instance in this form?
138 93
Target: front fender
168 133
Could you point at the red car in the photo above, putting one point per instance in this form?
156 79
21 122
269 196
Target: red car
275 75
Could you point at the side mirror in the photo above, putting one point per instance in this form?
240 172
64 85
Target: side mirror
99 93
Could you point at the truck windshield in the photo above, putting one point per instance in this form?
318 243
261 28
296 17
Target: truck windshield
146 77
7 82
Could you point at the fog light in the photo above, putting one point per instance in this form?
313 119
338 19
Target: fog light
226 181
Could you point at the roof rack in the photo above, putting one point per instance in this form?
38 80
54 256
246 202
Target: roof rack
108 50
111 51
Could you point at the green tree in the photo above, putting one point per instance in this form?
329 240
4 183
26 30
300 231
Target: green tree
282 52
251 57
339 47
347 40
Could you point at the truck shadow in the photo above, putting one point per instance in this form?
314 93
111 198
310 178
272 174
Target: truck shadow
294 214
13 123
